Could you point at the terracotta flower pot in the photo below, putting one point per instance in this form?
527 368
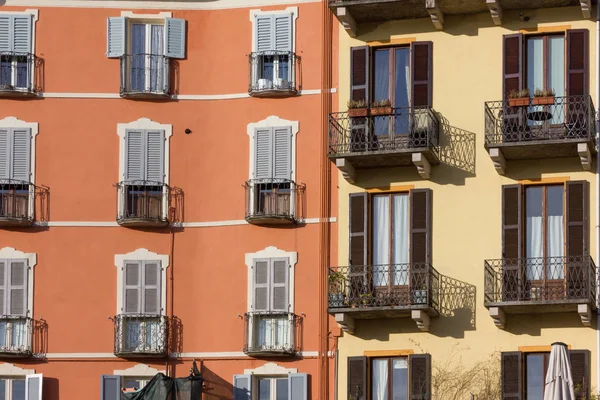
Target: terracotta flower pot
519 102
357 112
387 110
543 101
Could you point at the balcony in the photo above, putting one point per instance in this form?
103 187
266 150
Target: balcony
540 285
272 74
145 76
273 201
565 128
141 335
16 336
384 291
398 137
17 200
143 204
18 74
272 334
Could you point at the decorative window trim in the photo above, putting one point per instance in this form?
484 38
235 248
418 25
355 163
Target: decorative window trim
161 15
141 370
11 370
289 10
272 252
142 255
14 122
271 122
11 253
271 369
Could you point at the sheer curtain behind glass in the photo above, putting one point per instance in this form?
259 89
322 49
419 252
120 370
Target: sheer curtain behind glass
138 57
380 379
273 332
382 87
381 239
556 74
533 235
400 239
535 71
157 61
402 90
555 232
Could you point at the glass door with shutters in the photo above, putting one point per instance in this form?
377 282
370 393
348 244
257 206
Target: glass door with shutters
544 242
147 62
390 248
389 378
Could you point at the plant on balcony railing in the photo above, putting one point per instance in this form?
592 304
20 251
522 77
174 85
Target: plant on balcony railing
18 72
16 336
272 333
144 201
543 97
540 280
401 128
141 334
399 285
273 72
562 118
18 202
518 98
145 74
274 199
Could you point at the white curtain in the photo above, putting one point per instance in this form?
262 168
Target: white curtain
381 239
556 73
400 239
555 232
157 61
19 334
534 247
273 332
380 379
535 70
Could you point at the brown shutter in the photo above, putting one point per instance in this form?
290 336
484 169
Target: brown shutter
512 375
577 62
422 73
580 369
420 226
359 67
420 376
577 218
512 223
358 252
512 64
357 378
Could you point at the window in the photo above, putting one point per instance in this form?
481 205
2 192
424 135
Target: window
15 330
272 388
536 365
389 378
16 48
15 174
28 387
131 384
270 382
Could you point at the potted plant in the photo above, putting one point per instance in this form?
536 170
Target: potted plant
337 289
543 97
518 98
366 299
381 107
357 108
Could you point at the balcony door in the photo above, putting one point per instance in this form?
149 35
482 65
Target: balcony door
147 58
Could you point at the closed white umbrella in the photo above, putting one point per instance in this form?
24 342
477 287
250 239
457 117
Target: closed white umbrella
559 380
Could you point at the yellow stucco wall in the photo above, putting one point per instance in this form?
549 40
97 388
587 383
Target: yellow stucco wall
467 71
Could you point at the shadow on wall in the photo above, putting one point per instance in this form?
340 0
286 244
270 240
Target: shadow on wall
39 345
457 150
176 336
532 324
533 169
50 388
457 308
215 387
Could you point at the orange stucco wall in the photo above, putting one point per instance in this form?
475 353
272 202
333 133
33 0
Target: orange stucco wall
77 158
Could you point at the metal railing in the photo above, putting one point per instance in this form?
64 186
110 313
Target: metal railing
272 333
400 129
18 72
401 285
143 201
16 335
272 71
17 199
141 334
570 117
274 198
144 74
543 280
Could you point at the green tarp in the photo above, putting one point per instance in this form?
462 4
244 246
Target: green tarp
162 387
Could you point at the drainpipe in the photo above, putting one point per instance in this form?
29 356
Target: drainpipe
597 102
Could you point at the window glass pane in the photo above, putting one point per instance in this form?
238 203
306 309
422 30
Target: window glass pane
555 231
19 335
381 239
18 389
535 64
533 234
556 73
138 57
4 342
535 377
132 383
157 62
264 389
2 389
382 87
273 333
380 379
284 69
400 378
281 389
402 89
400 239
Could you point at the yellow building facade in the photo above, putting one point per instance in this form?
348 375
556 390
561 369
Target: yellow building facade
467 220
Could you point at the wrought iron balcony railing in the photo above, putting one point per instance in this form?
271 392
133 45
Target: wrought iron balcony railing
272 74
141 335
16 336
391 285
17 201
143 203
273 201
566 119
18 73
545 280
391 129
145 75
272 333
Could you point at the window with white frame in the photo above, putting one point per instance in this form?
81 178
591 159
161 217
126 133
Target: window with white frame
16 51
16 189
270 382
24 387
15 328
145 46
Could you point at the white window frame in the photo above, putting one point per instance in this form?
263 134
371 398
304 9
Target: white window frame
268 371
11 372
290 10
35 16
10 253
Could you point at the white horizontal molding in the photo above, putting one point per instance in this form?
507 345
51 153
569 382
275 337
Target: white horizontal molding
154 5
204 354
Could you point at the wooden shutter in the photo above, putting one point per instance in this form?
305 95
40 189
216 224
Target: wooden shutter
154 156
512 375
134 155
17 287
5 33
33 387
116 31
359 73
3 286
242 387
357 378
264 33
132 288
512 222
580 370
5 138
279 277
298 387
577 62
512 63
21 33
420 376
151 287
175 37
110 387
260 285
420 226
283 32
358 229
422 73
263 153
577 218
20 158
282 147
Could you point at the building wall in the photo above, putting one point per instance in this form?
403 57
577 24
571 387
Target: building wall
467 71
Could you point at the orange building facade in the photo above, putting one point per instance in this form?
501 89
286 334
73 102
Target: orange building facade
165 197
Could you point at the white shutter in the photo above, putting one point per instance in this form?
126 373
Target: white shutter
22 33
264 33
298 387
154 156
3 286
282 164
5 33
21 142
260 285
116 31
33 387
134 155
242 387
110 387
17 287
279 284
152 287
5 139
263 153
283 32
132 287
175 37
